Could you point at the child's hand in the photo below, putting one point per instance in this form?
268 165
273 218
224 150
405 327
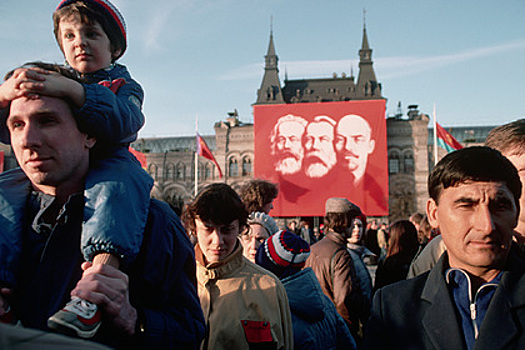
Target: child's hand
57 85
24 82
33 82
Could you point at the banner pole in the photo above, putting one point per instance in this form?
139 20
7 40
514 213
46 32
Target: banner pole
196 155
435 137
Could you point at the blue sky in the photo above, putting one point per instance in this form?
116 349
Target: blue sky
206 57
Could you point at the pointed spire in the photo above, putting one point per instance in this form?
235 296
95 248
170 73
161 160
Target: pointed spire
270 90
367 85
365 53
271 47
365 45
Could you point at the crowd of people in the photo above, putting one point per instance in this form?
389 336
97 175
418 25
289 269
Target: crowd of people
86 253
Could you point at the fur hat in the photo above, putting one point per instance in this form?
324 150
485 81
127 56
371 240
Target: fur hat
283 253
264 220
341 205
114 16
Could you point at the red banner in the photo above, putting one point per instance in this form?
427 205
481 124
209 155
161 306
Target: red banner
204 151
315 151
1 161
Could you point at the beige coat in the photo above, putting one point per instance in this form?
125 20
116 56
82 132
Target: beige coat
236 290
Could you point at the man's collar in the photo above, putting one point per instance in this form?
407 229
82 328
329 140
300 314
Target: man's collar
49 211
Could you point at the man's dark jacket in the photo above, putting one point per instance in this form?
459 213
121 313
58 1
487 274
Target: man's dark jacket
420 313
334 268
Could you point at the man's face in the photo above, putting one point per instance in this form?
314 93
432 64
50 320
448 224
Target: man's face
47 144
476 220
353 144
319 157
288 147
217 242
517 158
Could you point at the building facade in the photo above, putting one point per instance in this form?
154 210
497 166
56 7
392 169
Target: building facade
171 161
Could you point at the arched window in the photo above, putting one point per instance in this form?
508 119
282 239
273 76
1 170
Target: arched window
246 166
233 167
181 172
170 172
408 161
393 163
152 170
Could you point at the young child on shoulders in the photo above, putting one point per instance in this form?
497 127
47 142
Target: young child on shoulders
92 36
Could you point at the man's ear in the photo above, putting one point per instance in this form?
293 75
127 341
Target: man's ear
90 142
432 213
372 146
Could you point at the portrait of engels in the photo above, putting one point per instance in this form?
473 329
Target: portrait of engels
319 149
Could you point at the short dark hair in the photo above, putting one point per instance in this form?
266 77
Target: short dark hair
257 193
478 163
508 137
217 203
339 222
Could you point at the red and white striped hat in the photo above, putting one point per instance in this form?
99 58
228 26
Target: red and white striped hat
283 253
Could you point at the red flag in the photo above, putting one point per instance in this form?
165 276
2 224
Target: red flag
1 161
204 151
141 157
447 141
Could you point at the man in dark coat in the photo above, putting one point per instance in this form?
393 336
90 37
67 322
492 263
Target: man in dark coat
474 298
333 265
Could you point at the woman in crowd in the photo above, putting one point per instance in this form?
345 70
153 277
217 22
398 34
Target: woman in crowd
403 246
244 305
260 227
361 256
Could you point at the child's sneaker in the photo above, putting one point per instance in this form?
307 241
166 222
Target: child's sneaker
79 316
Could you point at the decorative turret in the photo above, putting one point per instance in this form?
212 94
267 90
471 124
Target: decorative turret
367 85
270 91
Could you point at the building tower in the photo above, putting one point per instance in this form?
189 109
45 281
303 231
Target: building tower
270 91
367 86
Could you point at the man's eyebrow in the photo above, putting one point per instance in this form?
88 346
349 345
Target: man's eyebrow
11 117
466 200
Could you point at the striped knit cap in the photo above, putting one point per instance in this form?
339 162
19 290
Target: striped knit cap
112 13
283 253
